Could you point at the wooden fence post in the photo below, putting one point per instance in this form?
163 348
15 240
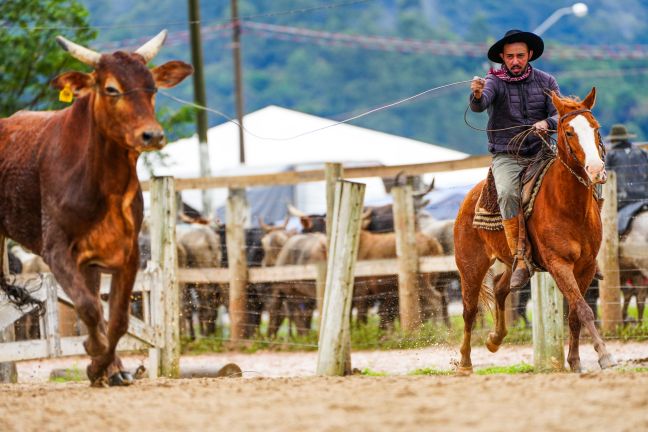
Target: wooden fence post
547 327
333 172
165 254
608 260
8 371
52 328
237 215
153 278
334 347
408 289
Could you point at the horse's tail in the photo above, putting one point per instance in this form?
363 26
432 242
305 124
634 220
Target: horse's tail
487 291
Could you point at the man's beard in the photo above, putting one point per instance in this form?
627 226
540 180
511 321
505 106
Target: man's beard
517 72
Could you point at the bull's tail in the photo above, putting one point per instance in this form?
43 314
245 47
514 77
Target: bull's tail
19 296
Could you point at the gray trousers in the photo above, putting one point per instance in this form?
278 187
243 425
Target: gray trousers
506 171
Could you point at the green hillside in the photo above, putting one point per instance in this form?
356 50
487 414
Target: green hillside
338 81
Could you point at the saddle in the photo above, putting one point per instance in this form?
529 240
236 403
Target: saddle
487 212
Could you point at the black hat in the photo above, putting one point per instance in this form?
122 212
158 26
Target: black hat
533 41
619 133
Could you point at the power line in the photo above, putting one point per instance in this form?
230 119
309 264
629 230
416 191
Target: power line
435 47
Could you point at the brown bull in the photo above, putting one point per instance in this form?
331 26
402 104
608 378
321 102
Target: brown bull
69 189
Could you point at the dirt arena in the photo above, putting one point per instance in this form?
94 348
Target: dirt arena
560 402
278 392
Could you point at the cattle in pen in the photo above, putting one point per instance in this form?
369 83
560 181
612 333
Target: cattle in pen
69 190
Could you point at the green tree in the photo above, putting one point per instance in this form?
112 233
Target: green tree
30 55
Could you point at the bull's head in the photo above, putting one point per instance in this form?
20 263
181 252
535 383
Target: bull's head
123 91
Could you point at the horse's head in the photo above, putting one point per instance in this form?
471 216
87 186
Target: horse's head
578 134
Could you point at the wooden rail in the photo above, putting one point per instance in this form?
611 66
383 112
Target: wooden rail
309 272
294 177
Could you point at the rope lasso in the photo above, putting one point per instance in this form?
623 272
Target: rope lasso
366 113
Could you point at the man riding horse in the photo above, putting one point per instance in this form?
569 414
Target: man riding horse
517 97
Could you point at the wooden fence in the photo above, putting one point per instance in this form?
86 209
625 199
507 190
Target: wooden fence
160 329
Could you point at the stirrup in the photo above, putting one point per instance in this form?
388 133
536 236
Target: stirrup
519 276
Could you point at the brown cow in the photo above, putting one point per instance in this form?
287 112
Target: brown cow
69 189
385 288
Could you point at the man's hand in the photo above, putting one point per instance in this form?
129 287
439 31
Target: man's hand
477 86
542 126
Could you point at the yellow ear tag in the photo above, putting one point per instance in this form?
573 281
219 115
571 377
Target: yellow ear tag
66 94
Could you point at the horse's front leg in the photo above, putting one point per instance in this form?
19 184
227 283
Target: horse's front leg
573 292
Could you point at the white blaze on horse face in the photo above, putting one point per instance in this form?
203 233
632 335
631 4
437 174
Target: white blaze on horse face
594 166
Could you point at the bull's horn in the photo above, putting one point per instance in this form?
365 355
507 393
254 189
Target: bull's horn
265 227
152 47
425 192
295 211
81 53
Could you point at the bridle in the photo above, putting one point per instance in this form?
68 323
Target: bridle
584 181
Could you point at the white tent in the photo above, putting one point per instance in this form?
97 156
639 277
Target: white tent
277 137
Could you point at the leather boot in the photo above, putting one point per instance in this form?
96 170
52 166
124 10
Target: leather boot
520 275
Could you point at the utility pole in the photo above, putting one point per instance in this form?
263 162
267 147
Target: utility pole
236 53
200 98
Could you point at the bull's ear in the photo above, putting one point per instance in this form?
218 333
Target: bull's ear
79 82
171 73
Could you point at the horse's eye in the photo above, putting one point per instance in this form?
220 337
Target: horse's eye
569 134
112 91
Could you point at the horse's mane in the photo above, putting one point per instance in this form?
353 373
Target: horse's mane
571 102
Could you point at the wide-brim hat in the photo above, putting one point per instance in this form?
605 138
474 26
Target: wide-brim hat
619 132
533 41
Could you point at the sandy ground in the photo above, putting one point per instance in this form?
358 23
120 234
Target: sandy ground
303 364
560 402
278 392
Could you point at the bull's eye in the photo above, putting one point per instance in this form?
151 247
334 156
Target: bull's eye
112 91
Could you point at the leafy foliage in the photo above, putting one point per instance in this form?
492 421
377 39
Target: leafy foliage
29 52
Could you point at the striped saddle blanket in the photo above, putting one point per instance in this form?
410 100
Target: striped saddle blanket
487 213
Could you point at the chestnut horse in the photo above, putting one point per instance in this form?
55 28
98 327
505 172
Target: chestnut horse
564 229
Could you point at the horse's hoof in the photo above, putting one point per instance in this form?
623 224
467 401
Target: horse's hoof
492 346
464 371
576 367
121 379
607 361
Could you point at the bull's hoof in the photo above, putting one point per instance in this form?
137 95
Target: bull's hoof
492 346
98 382
464 371
607 361
121 379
